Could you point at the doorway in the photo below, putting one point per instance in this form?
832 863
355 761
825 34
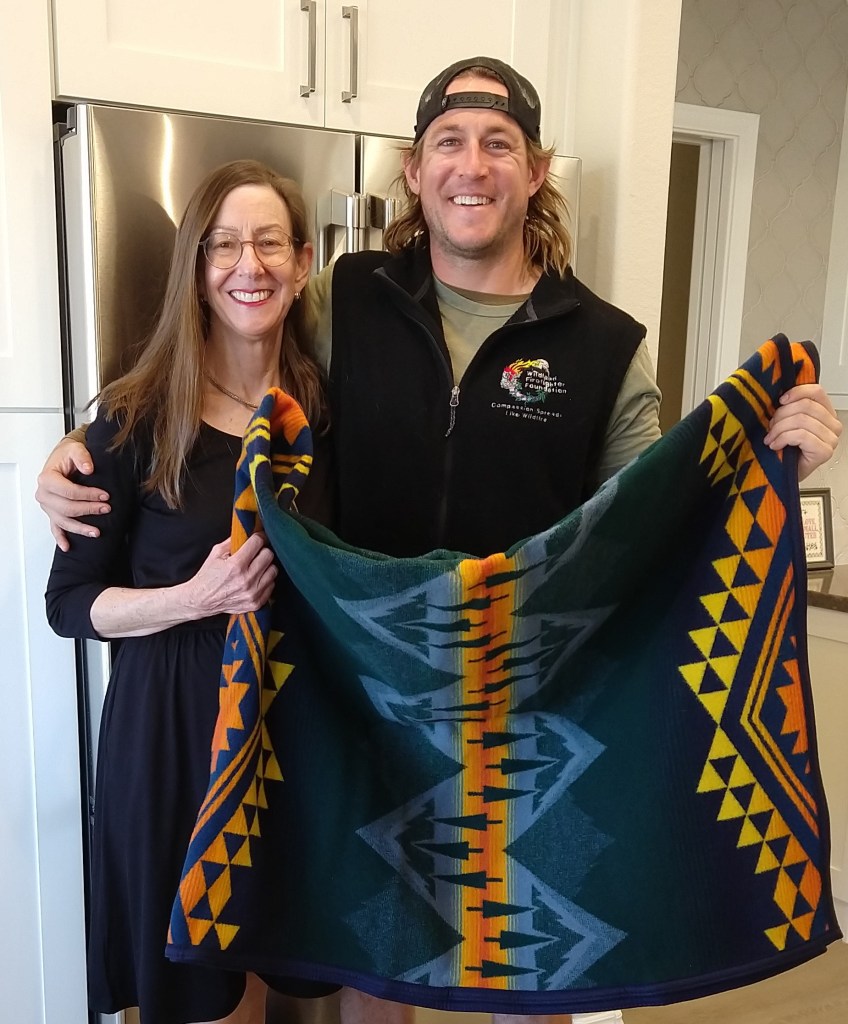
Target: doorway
710 194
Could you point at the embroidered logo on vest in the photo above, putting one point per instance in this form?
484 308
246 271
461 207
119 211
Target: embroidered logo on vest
529 382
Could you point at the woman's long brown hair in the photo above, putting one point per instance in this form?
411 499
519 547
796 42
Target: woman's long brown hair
164 389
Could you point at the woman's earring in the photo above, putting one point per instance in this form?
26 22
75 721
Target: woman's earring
297 296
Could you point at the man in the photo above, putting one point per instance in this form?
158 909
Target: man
474 172
481 387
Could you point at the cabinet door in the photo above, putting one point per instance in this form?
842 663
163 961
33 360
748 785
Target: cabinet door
834 340
834 357
30 363
205 56
43 941
381 53
828 648
834 343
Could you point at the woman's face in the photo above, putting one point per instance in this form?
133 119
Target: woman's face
250 300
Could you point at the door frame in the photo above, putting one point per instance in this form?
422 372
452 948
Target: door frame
728 149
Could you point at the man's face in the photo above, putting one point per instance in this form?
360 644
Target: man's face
474 179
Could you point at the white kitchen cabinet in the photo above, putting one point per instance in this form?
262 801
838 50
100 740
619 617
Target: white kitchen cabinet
42 942
206 56
30 366
358 67
834 341
834 357
381 53
828 647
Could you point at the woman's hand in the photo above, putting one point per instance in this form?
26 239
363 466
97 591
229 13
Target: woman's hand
226 583
64 501
233 583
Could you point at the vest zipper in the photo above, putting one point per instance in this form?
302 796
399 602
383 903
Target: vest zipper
441 525
454 402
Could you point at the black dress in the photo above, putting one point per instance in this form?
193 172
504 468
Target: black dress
157 724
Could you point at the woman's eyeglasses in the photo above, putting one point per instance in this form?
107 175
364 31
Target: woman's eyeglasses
224 250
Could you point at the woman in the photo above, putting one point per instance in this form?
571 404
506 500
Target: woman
166 441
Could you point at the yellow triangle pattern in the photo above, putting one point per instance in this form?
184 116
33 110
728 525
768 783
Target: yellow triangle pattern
194 887
744 803
252 677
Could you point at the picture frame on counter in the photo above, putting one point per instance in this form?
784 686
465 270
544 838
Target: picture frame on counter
817 523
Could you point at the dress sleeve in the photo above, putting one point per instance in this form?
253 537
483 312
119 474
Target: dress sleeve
634 423
92 565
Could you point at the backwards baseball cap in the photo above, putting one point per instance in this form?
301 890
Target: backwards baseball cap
522 103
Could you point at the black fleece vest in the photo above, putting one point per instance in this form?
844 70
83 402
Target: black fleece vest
421 465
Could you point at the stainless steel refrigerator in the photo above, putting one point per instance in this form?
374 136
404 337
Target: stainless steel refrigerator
124 177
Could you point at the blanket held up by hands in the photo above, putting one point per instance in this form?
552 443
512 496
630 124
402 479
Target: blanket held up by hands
577 775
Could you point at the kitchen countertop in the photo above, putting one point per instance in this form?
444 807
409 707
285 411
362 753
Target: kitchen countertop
828 588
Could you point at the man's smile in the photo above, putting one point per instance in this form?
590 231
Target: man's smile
471 200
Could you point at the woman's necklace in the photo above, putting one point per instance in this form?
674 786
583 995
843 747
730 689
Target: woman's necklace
229 394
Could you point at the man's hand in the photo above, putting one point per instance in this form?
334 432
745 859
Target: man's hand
807 420
64 501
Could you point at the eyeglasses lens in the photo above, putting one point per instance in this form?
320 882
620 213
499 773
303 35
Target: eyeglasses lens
224 250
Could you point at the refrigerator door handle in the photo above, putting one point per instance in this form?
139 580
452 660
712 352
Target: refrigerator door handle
382 210
312 7
348 210
353 14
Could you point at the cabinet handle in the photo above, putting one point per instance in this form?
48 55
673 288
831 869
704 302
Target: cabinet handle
353 14
311 7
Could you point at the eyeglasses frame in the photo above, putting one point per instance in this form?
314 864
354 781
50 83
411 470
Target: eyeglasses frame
293 244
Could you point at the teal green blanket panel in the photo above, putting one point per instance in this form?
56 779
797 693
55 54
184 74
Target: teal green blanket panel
576 775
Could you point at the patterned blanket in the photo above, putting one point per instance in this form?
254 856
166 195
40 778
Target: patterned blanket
576 775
